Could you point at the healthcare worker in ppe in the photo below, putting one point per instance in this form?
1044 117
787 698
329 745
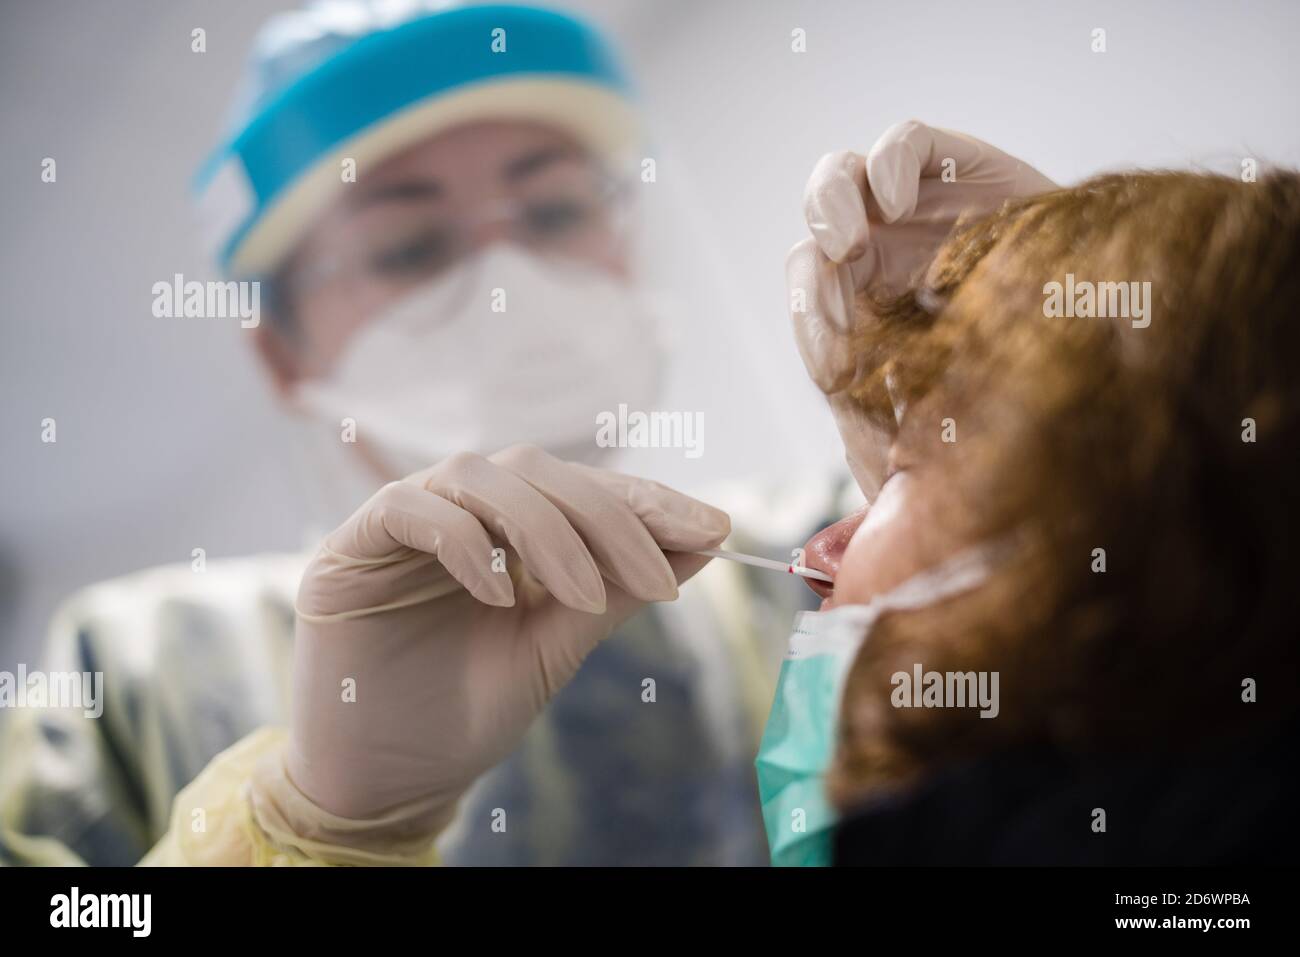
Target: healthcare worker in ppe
453 660
511 156
437 205
974 558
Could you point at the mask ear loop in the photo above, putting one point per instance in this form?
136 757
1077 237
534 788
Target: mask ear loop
962 572
966 570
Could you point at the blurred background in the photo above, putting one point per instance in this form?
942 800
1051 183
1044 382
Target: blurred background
166 438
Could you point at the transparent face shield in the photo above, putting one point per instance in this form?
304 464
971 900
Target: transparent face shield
573 209
733 362
716 412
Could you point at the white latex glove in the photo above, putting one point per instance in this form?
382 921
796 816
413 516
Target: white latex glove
875 221
452 660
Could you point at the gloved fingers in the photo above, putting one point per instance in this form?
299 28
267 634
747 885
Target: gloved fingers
909 151
624 550
685 565
832 366
560 646
840 204
682 566
1028 181
876 220
515 512
834 205
678 522
906 166
866 444
362 565
847 189
822 295
976 163
679 525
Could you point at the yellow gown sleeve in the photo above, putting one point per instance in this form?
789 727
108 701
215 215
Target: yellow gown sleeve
243 811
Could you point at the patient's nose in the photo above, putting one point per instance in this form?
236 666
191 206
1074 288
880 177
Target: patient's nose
825 549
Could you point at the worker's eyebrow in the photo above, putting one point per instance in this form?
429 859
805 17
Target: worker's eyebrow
518 168
521 167
398 192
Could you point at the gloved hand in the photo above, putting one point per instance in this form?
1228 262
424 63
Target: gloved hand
453 650
875 221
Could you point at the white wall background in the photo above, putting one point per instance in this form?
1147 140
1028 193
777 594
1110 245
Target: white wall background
165 439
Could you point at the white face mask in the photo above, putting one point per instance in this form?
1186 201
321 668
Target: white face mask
506 348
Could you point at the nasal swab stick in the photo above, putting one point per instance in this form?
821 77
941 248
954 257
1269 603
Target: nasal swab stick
767 563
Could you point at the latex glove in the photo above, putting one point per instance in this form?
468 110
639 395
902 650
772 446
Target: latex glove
876 220
452 660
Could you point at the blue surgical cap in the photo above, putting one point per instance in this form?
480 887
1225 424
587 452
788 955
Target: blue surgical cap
363 81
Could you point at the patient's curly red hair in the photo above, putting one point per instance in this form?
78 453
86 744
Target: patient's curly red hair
1083 434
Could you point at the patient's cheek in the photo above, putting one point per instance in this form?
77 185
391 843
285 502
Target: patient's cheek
898 539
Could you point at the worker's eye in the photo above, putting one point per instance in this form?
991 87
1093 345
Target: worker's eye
556 217
422 254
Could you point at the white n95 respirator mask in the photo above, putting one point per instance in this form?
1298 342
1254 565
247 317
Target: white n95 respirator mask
505 348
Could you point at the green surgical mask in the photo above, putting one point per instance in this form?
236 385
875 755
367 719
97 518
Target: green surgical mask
799 739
